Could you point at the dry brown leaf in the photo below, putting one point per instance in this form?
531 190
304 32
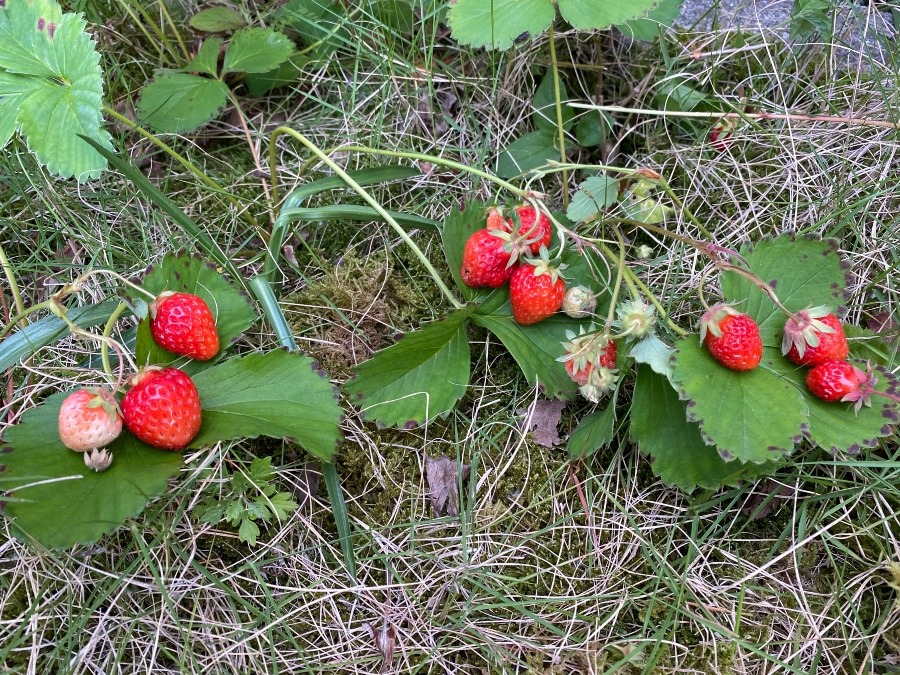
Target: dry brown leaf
444 476
542 419
385 639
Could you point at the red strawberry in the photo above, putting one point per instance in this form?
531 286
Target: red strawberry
813 336
486 262
596 356
535 227
835 380
720 133
88 419
731 337
163 408
536 291
184 324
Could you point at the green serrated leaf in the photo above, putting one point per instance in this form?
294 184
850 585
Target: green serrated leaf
66 502
51 87
590 14
216 20
281 505
535 348
593 195
676 94
179 102
496 24
420 377
258 84
319 23
544 103
678 454
278 394
647 28
803 272
207 58
256 50
655 353
527 152
593 433
809 17
187 273
753 416
248 531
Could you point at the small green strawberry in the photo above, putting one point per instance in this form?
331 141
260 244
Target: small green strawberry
536 290
731 337
813 336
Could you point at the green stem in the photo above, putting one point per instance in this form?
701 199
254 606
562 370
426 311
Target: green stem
620 272
664 184
186 163
450 164
561 132
11 279
107 333
296 135
168 17
47 304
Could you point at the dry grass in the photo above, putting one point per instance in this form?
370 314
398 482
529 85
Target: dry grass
550 569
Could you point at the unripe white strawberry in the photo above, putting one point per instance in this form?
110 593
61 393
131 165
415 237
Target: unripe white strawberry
579 302
88 419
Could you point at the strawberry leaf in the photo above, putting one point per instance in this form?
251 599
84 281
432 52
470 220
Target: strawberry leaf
497 24
191 274
51 87
590 14
216 20
420 377
66 502
278 394
804 272
256 50
753 416
527 152
678 453
179 102
594 432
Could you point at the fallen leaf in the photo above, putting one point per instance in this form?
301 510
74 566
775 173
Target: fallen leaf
765 498
385 640
444 476
541 419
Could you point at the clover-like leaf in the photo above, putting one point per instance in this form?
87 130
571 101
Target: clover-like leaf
278 394
804 272
753 416
256 50
51 87
56 500
179 102
186 273
420 377
677 451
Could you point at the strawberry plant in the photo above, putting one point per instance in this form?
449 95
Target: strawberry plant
174 403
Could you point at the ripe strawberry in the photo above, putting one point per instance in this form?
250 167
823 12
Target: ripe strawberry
536 290
720 133
88 419
184 324
813 336
834 380
486 262
162 408
534 226
731 337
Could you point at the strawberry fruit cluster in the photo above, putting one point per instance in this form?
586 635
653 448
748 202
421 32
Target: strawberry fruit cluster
162 405
514 251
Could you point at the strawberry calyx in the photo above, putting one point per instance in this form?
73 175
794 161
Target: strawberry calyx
98 459
600 382
713 317
104 397
803 328
542 265
635 318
